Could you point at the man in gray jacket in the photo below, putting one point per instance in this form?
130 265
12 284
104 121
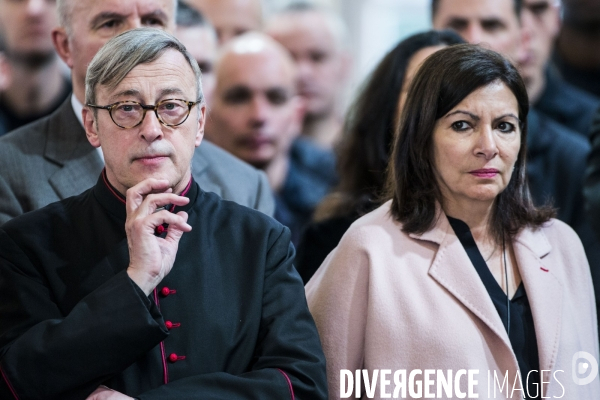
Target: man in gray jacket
51 158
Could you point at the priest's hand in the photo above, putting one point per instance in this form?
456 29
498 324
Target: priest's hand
151 257
104 393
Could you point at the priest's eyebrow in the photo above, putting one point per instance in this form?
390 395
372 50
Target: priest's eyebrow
126 93
138 95
171 91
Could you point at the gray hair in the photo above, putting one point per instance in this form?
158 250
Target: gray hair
64 8
124 52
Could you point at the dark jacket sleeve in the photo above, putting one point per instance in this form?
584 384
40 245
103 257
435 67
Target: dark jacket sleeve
289 362
45 354
592 183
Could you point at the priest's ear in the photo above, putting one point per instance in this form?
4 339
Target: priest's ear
91 126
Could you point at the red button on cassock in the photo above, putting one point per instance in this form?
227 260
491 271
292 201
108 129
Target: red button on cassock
171 325
159 229
174 357
166 291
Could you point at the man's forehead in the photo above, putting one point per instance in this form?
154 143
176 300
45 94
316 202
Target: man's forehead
248 9
93 8
198 39
476 9
257 72
170 74
311 28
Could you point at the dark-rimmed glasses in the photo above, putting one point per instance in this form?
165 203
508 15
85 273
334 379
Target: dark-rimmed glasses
129 114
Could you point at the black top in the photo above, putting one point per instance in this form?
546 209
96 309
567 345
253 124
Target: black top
522 330
567 104
317 241
230 320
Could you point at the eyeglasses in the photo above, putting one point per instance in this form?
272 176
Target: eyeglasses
129 114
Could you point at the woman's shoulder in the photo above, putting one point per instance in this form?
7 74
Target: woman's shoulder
372 227
379 216
554 236
557 231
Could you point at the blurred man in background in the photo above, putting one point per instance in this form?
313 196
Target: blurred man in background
231 18
548 92
39 81
494 24
316 39
556 156
199 38
256 115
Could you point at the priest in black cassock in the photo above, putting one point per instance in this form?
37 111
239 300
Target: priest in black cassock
145 286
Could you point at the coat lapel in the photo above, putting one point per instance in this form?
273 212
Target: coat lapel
68 147
544 292
453 270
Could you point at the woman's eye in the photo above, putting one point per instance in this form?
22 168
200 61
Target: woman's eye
460 126
506 127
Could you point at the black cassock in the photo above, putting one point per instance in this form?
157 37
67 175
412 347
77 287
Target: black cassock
230 321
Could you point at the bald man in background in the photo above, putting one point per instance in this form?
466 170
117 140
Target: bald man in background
231 18
316 38
256 115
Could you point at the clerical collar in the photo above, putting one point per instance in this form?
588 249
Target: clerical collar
114 202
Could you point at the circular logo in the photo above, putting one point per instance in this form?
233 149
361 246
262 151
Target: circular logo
584 368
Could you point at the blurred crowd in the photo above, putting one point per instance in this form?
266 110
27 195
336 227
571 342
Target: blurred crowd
274 87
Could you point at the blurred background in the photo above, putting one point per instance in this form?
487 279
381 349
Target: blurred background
375 26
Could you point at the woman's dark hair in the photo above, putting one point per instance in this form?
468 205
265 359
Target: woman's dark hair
369 130
442 82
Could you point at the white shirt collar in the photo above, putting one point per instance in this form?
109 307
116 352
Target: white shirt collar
78 108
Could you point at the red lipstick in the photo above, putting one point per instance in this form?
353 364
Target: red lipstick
486 173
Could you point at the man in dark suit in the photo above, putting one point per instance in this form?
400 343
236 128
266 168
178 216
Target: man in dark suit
51 159
548 92
146 285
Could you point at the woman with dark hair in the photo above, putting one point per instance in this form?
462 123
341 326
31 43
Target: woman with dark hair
365 150
459 271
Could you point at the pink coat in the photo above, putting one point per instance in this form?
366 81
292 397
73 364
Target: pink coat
386 300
